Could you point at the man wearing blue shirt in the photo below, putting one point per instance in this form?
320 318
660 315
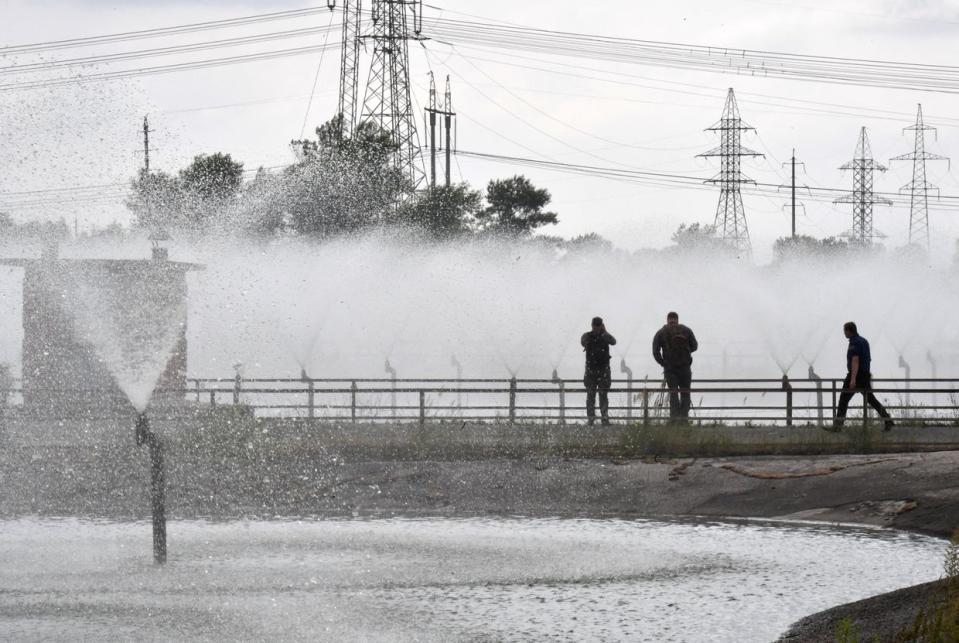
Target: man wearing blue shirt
858 378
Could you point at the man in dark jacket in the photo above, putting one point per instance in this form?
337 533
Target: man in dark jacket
858 378
673 348
598 376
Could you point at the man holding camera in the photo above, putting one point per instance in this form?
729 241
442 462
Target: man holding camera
598 376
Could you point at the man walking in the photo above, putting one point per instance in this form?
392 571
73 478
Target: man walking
673 348
598 376
858 378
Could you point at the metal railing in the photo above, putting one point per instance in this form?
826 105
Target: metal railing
781 401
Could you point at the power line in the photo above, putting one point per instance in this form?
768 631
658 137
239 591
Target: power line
48 65
159 31
826 69
685 181
165 69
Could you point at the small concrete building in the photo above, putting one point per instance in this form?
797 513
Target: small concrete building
66 371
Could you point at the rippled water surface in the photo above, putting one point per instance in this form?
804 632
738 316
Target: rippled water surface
441 579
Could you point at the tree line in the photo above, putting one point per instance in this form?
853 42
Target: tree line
336 186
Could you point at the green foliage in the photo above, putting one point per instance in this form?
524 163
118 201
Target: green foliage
590 242
847 631
443 212
47 231
343 185
951 562
936 625
696 237
805 247
192 200
514 207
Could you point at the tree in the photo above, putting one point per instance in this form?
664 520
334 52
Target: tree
798 247
590 242
156 201
343 185
806 247
515 207
697 237
212 178
262 210
196 199
443 212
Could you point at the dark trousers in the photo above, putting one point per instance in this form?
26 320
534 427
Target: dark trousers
597 381
679 378
863 384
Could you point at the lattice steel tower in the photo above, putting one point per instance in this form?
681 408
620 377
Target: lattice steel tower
730 216
862 198
349 63
919 188
387 101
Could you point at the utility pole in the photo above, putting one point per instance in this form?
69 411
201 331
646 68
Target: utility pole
448 116
862 197
793 164
146 144
730 215
919 188
446 111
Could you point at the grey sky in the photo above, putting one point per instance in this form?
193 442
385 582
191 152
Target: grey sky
647 117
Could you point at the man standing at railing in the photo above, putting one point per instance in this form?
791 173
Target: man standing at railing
858 378
673 348
598 377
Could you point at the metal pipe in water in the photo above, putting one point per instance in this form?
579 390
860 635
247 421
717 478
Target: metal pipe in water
157 485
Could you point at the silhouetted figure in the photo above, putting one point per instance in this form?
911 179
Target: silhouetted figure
673 348
858 378
598 377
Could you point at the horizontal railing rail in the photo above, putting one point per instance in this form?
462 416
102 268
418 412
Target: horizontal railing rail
777 401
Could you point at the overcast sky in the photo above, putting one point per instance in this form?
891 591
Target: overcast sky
643 117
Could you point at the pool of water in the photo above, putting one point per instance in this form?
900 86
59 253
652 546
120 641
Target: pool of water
442 579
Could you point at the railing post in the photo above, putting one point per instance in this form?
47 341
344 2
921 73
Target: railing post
646 401
512 399
310 396
833 400
237 387
353 402
422 407
198 392
819 412
789 400
212 397
865 408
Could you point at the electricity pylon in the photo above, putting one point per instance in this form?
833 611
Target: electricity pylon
730 216
919 188
862 198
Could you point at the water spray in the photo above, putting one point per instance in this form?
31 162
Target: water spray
392 373
623 368
145 436
932 366
818 380
555 379
904 365
455 363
